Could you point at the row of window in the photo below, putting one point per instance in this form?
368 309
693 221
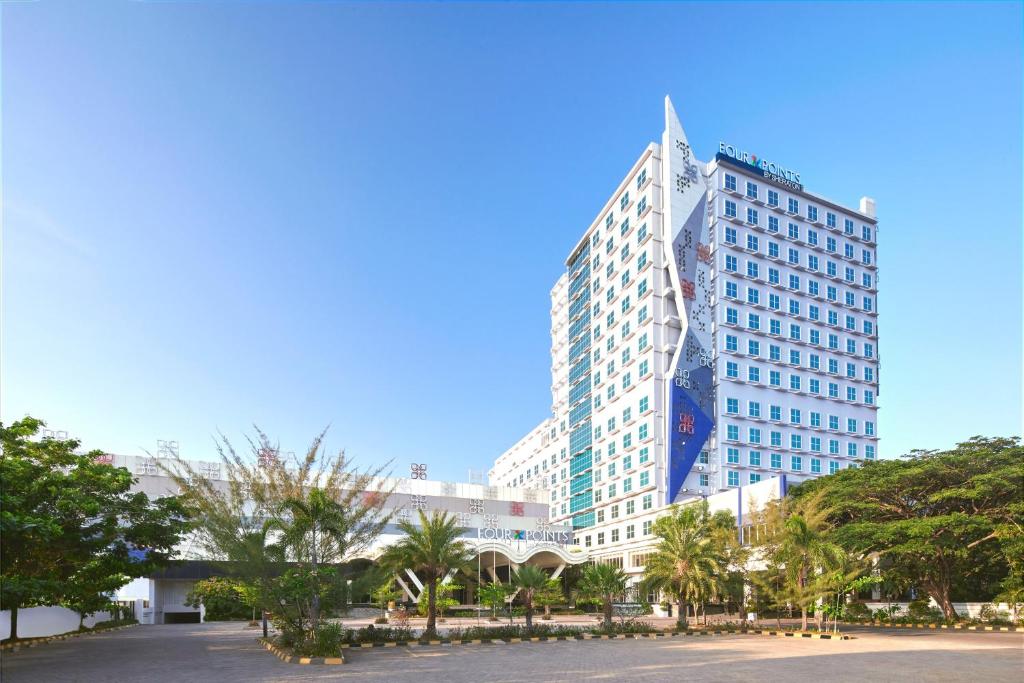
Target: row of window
796 443
598 539
775 326
796 306
796 383
731 264
795 356
792 205
814 418
753 218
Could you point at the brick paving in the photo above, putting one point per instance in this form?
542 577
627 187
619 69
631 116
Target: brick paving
228 652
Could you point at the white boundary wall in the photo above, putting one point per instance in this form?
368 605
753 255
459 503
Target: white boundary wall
36 622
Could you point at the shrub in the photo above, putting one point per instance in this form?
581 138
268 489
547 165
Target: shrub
858 611
920 610
380 620
629 626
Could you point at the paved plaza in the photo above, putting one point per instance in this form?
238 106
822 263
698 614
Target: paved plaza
227 652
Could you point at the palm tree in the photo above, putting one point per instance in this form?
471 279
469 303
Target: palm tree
687 561
806 552
431 549
316 527
604 582
531 580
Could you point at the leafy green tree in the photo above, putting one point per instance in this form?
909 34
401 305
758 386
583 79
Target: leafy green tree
807 556
494 595
309 526
431 549
384 593
316 509
940 518
530 580
687 560
551 594
71 529
221 596
603 582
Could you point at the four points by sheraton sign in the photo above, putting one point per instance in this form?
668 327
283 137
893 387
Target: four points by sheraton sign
528 535
769 169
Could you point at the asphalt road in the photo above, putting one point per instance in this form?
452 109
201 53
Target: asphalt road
228 652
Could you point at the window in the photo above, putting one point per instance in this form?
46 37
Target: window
703 480
731 290
794 231
753 347
794 416
869 452
776 461
776 412
645 478
732 370
732 406
754 458
753 321
731 343
796 463
794 206
816 444
730 263
730 208
773 221
752 242
732 432
753 374
795 441
733 478
648 502
773 249
773 198
793 257
815 466
812 213
812 237
751 190
752 216
773 302
733 455
753 409
730 182
753 295
754 477
732 316
647 527
624 202
754 436
847 226
773 276
830 219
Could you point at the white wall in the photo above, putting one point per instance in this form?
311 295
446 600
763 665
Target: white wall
36 622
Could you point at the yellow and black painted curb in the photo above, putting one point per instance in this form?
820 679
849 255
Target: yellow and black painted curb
36 642
289 658
948 627
592 636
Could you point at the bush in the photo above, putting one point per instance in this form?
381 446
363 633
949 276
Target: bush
858 611
920 610
514 631
372 634
380 620
630 626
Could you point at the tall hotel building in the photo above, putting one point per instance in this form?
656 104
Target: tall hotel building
716 326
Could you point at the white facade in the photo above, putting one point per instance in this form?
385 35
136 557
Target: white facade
685 360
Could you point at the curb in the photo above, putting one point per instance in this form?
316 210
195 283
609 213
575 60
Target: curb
446 642
35 642
289 658
954 627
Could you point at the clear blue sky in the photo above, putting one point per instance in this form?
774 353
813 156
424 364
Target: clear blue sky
293 215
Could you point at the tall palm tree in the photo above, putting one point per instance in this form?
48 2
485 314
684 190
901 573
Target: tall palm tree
531 580
604 582
687 561
806 553
313 528
431 549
